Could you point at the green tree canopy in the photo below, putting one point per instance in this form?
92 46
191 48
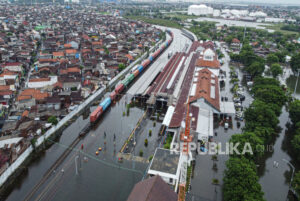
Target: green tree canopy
52 120
253 140
269 91
276 70
259 114
255 69
271 59
294 111
241 181
121 66
295 62
296 182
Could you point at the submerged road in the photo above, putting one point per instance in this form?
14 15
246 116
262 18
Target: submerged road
99 177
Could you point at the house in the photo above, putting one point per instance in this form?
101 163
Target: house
235 44
41 82
13 67
58 55
152 189
53 103
30 97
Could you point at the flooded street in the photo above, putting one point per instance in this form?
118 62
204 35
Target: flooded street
99 177
274 180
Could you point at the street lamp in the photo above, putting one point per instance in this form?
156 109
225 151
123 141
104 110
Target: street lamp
76 158
293 169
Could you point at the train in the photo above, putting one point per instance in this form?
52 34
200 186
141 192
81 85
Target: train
97 113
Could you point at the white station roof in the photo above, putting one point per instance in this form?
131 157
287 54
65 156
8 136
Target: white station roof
168 116
227 107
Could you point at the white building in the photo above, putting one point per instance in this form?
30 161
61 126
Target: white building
272 19
200 10
257 14
42 82
166 164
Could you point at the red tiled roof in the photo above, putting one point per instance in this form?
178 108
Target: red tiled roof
71 51
40 79
97 43
205 63
13 64
67 45
129 56
203 89
25 113
235 40
58 54
8 73
32 93
4 88
47 60
6 92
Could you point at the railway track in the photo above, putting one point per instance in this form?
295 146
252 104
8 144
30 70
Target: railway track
51 169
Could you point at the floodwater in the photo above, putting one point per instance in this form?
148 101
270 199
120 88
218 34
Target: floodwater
291 82
274 180
99 177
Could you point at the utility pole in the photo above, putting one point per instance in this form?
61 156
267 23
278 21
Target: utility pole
296 83
76 164
293 169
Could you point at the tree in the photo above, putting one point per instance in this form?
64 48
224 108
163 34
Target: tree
295 62
52 120
253 140
259 114
121 66
276 70
272 58
241 181
269 91
295 142
294 111
255 69
281 56
296 182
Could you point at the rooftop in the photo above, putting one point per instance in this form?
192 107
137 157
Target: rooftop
165 161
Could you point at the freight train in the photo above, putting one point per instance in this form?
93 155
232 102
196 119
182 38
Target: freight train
96 114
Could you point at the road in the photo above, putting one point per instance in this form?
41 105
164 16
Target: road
99 177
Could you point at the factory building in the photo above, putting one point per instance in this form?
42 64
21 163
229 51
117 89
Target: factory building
199 10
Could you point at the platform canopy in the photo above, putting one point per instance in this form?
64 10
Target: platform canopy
168 116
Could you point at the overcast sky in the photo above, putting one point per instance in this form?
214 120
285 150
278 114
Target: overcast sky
265 1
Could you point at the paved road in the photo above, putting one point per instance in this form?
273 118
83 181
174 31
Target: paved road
177 45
